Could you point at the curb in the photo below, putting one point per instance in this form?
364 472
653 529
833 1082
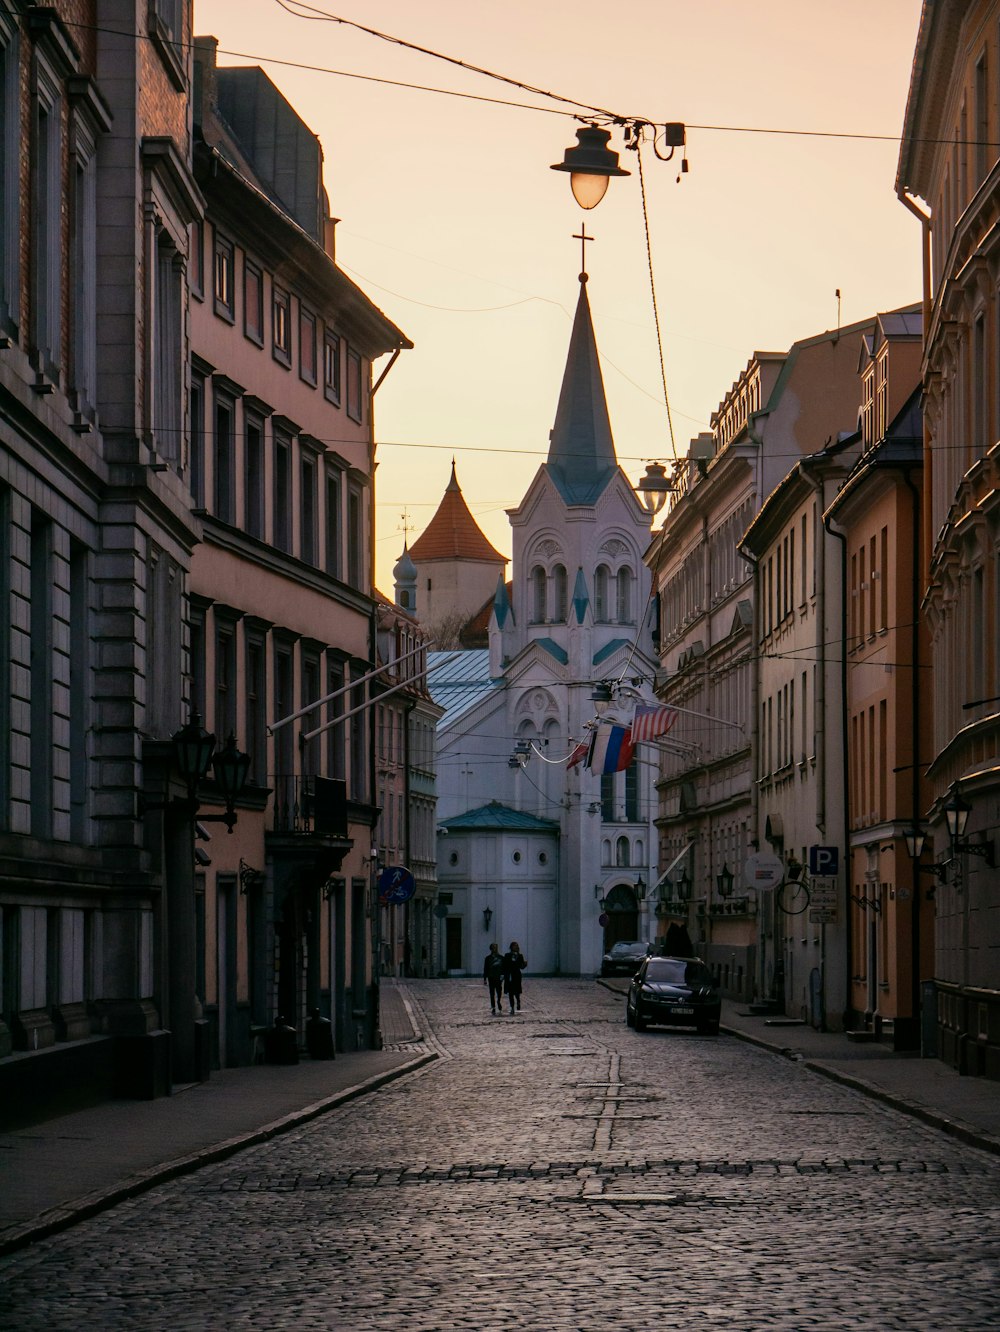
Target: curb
970 1136
59 1218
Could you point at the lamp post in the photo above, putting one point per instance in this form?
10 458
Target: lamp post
190 754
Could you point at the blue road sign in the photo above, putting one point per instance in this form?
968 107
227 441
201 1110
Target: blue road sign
395 885
824 860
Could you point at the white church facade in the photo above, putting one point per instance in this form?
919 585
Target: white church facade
558 857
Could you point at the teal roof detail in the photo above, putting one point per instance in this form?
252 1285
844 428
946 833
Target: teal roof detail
553 649
501 818
581 597
610 648
582 456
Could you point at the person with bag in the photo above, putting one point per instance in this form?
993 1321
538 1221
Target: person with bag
514 963
493 977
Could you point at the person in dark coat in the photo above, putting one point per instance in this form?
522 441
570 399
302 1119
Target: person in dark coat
514 963
493 977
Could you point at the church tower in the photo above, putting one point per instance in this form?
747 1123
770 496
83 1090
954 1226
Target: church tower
456 567
577 613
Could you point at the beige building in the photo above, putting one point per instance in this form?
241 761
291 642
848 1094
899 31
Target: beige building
732 627
283 609
949 175
876 516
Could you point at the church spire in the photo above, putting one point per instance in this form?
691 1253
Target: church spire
582 456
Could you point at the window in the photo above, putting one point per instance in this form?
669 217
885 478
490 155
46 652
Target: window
11 155
281 326
632 792
622 852
307 502
624 590
225 679
601 608
334 523
336 758
538 595
225 458
608 797
559 594
253 302
310 749
40 718
83 262
354 385
282 538
164 364
196 254
256 703
284 738
982 118
196 458
253 476
46 222
307 345
355 538
196 655
222 283
331 366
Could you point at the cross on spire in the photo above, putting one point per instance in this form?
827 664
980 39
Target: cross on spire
583 238
407 526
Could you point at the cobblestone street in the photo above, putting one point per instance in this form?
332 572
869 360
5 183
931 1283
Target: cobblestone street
552 1170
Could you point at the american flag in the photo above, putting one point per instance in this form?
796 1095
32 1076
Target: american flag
651 720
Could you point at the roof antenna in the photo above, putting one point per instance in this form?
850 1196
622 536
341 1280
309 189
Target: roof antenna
838 313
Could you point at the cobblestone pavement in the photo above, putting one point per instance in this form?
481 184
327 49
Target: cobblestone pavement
553 1171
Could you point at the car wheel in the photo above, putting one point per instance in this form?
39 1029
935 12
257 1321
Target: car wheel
639 1023
629 1019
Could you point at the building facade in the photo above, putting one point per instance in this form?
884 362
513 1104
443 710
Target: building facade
96 538
283 612
949 175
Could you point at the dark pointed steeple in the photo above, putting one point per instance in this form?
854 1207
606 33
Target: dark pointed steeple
582 456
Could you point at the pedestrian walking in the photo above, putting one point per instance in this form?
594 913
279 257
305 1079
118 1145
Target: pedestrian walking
493 977
514 963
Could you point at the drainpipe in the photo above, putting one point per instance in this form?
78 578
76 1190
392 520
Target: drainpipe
915 776
754 563
820 706
847 760
924 218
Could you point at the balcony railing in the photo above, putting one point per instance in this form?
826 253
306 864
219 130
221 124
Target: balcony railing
309 804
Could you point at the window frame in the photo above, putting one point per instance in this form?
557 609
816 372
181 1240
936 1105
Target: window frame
223 276
251 333
281 325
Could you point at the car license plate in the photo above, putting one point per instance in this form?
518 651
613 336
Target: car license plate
686 1012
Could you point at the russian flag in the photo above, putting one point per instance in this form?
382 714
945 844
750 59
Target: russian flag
611 749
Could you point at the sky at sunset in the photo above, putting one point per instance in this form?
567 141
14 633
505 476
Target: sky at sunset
453 224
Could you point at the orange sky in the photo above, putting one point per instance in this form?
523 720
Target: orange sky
454 225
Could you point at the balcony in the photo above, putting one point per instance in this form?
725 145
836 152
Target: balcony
308 805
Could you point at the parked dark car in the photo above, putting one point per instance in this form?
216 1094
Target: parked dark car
675 991
624 958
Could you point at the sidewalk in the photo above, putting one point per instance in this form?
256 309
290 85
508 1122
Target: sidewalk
58 1172
966 1107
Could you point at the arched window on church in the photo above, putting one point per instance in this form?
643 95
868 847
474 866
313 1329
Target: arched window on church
621 852
559 594
624 590
538 595
601 607
606 852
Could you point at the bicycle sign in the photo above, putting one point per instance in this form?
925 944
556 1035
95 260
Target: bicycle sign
395 885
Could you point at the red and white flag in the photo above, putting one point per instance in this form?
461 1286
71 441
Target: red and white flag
651 720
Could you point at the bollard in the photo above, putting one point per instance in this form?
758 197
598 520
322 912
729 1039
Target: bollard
281 1044
319 1036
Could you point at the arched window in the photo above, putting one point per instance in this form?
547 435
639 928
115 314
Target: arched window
559 594
621 852
601 607
624 608
606 852
538 595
